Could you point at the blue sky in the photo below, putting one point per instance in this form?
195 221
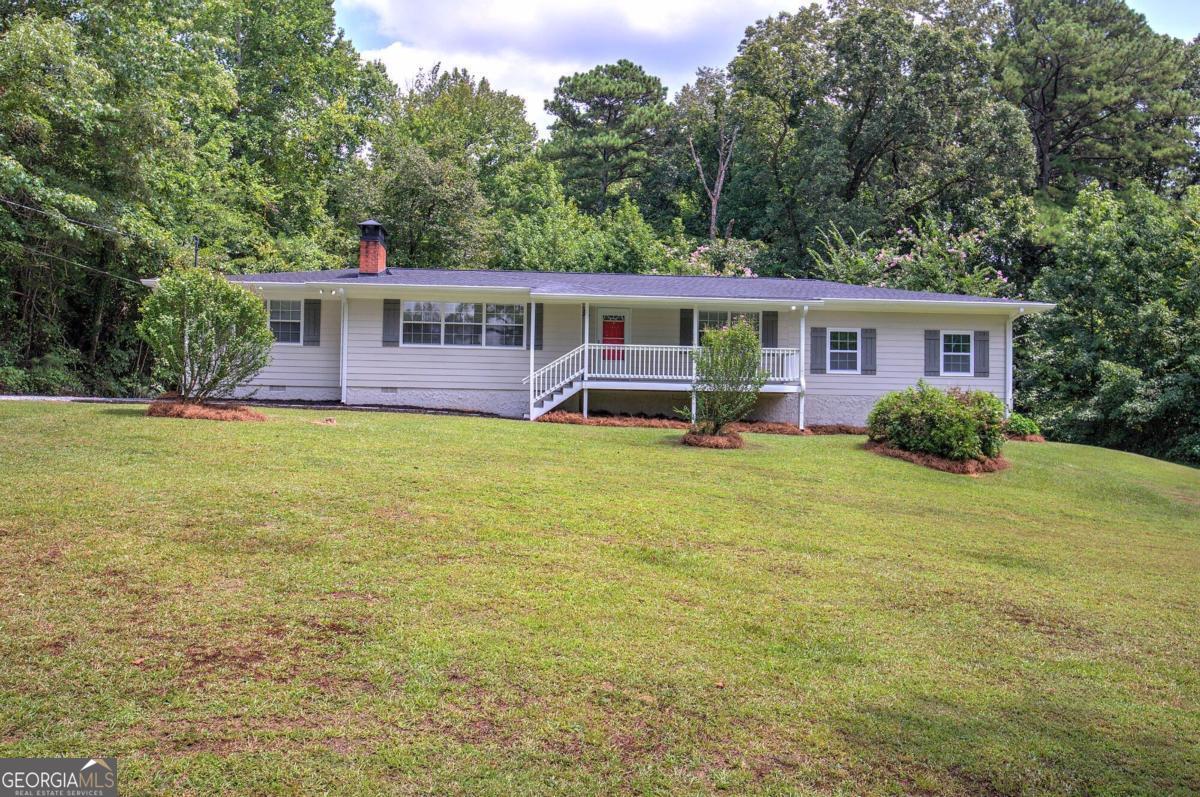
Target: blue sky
524 46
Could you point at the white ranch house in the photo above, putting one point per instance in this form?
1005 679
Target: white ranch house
521 343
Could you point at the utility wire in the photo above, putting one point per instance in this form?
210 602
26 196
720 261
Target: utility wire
40 253
67 218
82 223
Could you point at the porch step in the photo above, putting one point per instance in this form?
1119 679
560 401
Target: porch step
555 397
547 403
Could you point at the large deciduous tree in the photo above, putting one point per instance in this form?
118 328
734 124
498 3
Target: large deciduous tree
866 118
1118 362
451 114
433 210
606 121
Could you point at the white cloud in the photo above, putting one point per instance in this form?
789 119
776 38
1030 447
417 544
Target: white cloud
525 46
533 79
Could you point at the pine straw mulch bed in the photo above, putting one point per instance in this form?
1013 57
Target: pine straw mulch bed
168 408
723 441
971 467
752 427
1025 438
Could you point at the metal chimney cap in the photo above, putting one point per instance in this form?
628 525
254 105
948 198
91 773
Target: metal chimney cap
371 230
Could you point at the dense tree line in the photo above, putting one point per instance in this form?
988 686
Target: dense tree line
1041 148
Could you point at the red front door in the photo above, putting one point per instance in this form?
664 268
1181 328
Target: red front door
612 331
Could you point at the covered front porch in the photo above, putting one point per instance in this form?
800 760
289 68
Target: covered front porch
623 350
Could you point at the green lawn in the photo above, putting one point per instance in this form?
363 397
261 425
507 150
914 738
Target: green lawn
409 604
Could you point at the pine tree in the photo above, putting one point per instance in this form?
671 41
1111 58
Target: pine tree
607 119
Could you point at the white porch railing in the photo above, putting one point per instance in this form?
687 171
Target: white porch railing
611 362
607 362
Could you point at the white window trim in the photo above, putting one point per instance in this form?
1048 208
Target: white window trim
524 326
276 342
970 372
829 369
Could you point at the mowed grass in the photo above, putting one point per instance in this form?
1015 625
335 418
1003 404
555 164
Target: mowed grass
412 604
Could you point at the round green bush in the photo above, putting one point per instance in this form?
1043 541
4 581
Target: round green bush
987 412
955 424
208 335
1019 425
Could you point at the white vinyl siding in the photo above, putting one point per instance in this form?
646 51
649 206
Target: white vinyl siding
297 366
899 354
900 350
371 365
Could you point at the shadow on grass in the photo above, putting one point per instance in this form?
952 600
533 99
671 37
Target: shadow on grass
127 412
1035 745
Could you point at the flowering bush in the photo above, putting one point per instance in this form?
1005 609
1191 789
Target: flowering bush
927 256
723 257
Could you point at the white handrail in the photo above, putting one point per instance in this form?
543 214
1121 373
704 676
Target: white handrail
618 362
556 374
609 361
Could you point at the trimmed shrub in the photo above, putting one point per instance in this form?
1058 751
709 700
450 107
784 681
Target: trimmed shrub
987 412
956 424
729 375
1019 425
208 335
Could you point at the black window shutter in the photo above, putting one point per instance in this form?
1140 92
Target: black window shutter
312 322
981 352
539 326
868 352
933 352
686 327
391 322
818 351
770 329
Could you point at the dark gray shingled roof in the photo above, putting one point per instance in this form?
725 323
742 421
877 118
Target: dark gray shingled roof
550 283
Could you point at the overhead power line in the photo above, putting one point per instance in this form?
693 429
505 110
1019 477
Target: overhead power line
80 222
82 265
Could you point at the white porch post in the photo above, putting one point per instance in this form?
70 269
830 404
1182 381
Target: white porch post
587 355
345 330
1008 364
692 366
532 351
587 333
803 364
